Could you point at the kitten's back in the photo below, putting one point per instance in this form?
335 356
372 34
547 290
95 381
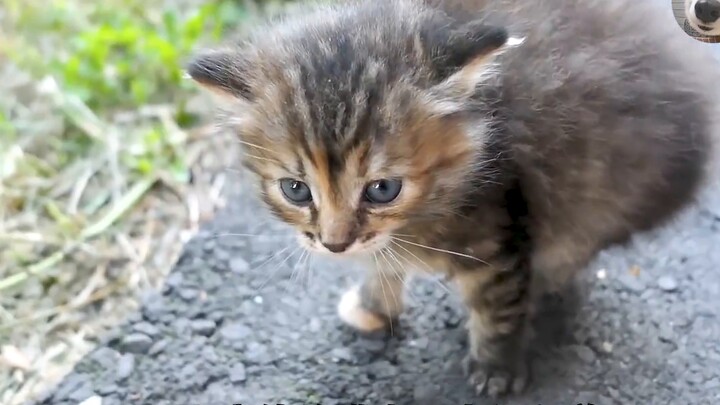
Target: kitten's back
612 115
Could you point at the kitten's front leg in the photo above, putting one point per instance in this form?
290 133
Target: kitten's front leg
375 303
499 304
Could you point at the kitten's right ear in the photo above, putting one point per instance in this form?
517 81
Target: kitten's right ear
223 72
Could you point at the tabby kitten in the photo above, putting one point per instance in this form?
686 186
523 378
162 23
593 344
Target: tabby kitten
502 142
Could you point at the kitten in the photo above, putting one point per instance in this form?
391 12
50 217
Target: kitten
504 143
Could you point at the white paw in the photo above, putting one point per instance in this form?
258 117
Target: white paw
352 313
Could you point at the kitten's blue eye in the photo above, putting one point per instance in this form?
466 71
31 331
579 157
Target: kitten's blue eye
383 191
295 191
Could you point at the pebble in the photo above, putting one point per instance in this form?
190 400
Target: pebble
158 347
105 357
239 265
341 354
631 283
146 328
107 389
175 280
258 353
93 400
82 393
667 283
586 354
238 373
137 343
188 294
72 383
125 366
235 331
204 327
154 308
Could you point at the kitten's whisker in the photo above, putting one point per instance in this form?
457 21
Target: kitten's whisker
295 269
261 158
402 273
308 268
429 271
403 234
382 287
392 289
222 235
254 146
279 266
377 267
443 251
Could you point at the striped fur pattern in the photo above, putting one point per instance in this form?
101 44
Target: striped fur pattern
502 142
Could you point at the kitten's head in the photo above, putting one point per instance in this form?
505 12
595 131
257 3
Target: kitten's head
358 120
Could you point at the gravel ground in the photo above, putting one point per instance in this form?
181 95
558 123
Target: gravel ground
642 327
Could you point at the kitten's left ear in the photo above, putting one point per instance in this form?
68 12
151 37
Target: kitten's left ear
224 72
465 59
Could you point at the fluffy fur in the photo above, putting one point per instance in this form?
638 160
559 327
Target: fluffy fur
526 136
704 16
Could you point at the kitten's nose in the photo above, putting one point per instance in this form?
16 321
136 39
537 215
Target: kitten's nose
337 247
707 11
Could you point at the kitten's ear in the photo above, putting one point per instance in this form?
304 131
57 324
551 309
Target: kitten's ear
223 72
465 59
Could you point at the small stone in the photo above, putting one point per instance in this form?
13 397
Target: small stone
204 327
105 357
107 389
373 345
82 393
175 280
137 343
258 299
424 393
188 294
158 347
239 265
238 373
235 331
584 353
341 354
631 283
607 347
125 366
93 400
146 328
209 354
257 353
666 333
601 274
421 343
667 283
72 383
154 307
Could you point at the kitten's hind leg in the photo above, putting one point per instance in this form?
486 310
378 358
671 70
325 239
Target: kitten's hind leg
374 304
499 301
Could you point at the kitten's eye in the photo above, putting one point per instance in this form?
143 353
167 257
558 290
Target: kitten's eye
383 191
295 191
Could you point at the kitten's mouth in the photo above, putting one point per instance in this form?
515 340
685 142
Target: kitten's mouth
363 246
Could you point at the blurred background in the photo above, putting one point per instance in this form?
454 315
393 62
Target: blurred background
108 164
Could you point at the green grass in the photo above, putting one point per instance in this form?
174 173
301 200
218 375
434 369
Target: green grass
103 167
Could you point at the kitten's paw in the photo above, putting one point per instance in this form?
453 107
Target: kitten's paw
353 314
495 380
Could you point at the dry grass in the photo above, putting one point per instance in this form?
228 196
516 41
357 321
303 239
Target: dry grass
100 184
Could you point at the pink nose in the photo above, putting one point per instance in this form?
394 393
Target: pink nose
337 247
